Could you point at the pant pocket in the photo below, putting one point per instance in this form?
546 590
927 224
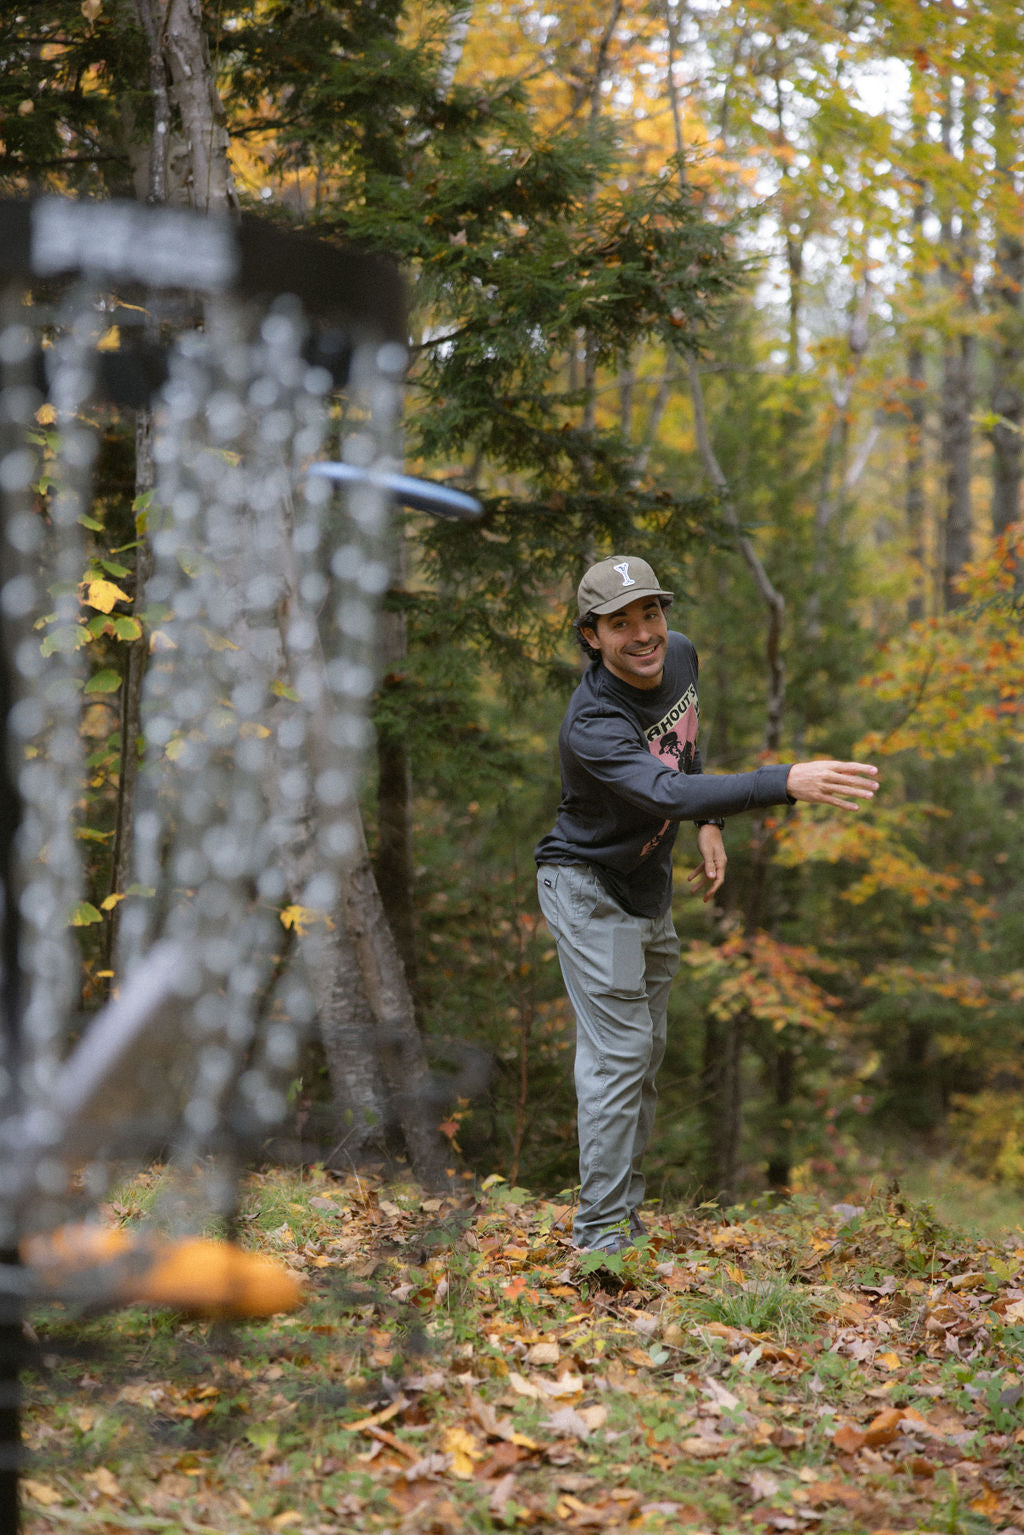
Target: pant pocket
548 894
584 896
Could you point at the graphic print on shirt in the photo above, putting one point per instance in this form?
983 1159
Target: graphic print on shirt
672 740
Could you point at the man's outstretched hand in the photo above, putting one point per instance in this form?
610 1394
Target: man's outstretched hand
842 784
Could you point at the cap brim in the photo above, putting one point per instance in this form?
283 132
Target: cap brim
627 597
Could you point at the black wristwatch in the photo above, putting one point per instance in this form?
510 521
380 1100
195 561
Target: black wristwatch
712 820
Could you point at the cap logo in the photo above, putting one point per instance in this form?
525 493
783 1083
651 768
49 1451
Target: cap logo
623 570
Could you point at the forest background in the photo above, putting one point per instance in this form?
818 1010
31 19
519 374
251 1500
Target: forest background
735 287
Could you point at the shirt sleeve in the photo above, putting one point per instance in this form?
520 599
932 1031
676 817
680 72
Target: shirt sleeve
615 756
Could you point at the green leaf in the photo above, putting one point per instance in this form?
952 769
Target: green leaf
126 627
84 915
63 641
106 681
113 568
91 834
87 522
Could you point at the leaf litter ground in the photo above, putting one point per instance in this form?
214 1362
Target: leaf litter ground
456 1367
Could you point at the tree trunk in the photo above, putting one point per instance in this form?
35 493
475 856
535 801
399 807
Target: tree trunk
957 402
136 659
1007 362
782 1064
375 1055
957 383
395 862
914 498
915 484
208 179
399 1046
723 1042
722 1107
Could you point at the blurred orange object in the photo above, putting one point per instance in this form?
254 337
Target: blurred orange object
107 1264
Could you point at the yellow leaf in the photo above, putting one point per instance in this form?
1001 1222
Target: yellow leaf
464 1450
102 595
217 641
91 9
297 917
283 1521
46 416
110 902
890 1361
301 918
104 1481
110 341
972 1281
42 1492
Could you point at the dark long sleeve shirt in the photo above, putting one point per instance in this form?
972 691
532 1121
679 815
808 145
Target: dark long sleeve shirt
631 771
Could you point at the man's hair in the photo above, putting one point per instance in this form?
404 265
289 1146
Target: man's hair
589 621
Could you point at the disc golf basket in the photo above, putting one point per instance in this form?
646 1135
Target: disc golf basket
249 354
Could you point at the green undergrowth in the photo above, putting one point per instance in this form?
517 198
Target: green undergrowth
455 1366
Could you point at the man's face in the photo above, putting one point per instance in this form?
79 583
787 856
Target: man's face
632 642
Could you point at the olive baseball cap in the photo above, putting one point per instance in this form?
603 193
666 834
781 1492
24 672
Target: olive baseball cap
612 583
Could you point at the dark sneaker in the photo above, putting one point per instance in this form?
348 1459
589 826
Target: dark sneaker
636 1225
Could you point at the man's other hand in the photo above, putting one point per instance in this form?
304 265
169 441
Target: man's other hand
709 876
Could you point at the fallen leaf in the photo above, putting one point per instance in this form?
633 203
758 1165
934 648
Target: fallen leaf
884 1428
762 1485
524 1387
41 1492
566 1421
700 1448
501 1495
823 1493
398 1405
848 1438
104 1481
464 1450
543 1353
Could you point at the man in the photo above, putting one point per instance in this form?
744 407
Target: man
631 772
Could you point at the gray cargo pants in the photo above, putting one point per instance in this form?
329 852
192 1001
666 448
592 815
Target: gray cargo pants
617 971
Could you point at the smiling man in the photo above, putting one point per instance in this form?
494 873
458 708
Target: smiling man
631 771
